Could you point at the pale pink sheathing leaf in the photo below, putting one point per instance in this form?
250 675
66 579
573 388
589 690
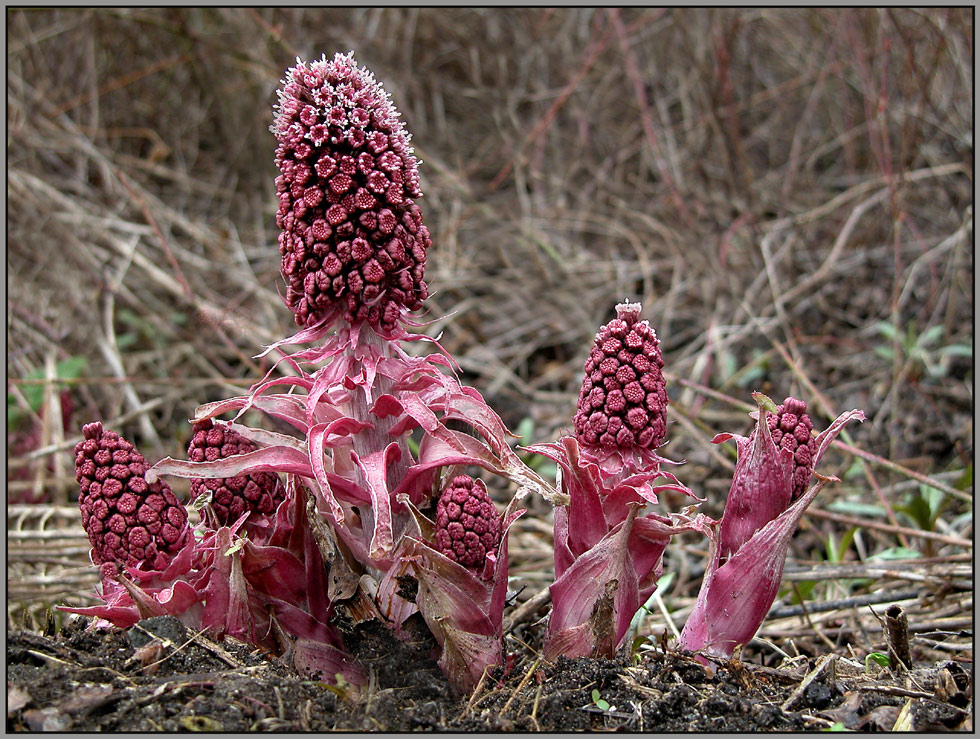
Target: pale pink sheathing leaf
455 604
179 598
144 602
494 455
449 448
286 460
575 595
275 570
466 656
316 438
448 591
375 468
498 594
291 408
392 606
226 609
299 622
572 640
563 554
761 489
587 523
647 541
825 437
264 438
735 598
304 336
387 405
121 616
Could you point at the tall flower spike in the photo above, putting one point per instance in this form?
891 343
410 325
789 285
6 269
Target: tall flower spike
608 549
258 493
352 238
128 520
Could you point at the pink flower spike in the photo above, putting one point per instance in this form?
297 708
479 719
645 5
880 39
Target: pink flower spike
748 552
462 606
338 149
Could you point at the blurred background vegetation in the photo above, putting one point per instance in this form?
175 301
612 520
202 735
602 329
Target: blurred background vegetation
787 191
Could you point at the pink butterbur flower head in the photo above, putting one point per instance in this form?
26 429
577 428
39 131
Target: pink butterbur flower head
467 524
352 240
792 429
258 493
460 564
608 545
128 520
622 404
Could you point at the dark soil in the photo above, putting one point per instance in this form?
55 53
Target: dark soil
158 677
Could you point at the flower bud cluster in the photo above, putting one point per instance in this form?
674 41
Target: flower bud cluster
127 520
352 235
792 429
623 399
257 492
467 524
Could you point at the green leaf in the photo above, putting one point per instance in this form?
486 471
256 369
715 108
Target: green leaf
239 543
838 726
204 499
930 336
525 428
887 330
893 554
885 352
965 481
857 508
599 702
878 658
802 591
67 369
956 350
764 401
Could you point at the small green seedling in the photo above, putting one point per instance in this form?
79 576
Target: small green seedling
601 704
880 659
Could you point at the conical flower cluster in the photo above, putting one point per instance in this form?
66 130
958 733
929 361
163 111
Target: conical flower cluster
352 237
792 429
257 492
623 399
467 524
127 520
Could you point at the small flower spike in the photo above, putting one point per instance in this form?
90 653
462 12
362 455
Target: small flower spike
352 237
258 492
128 521
467 524
768 496
792 429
